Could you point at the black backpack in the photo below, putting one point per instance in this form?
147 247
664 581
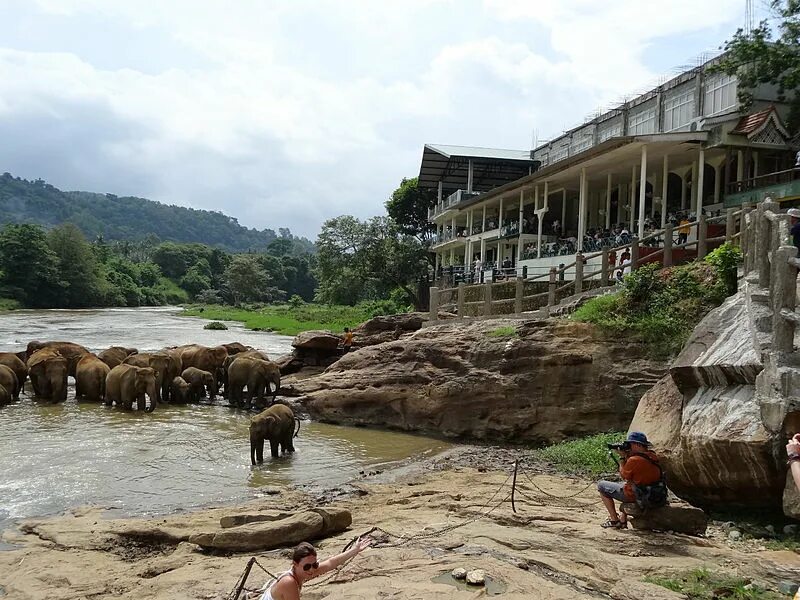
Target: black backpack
653 495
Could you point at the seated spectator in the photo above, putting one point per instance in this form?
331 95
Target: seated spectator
643 479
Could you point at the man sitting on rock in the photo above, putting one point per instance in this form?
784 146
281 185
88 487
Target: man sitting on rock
640 469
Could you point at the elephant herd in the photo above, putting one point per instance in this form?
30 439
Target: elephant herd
123 376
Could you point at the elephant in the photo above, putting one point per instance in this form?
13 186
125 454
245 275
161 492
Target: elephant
48 371
257 375
115 355
203 358
180 391
174 369
160 362
69 350
200 381
235 348
90 378
276 424
5 397
8 379
223 378
13 362
126 383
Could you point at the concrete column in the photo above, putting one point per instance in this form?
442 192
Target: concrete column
439 194
683 192
664 190
608 201
500 214
654 187
739 165
469 176
582 209
717 183
540 221
563 210
437 263
521 208
452 256
701 163
632 199
642 190
483 250
466 254
693 199
483 227
620 196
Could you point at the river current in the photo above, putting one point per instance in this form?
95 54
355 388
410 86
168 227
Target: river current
54 457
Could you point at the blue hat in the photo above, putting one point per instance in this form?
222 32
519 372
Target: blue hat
637 437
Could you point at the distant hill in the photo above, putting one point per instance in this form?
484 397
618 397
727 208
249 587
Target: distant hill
129 218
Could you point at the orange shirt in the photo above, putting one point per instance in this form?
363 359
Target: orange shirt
640 471
684 227
348 338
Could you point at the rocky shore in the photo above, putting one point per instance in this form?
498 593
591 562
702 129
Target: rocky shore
454 508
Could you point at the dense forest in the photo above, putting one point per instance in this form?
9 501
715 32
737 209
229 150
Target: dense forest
129 218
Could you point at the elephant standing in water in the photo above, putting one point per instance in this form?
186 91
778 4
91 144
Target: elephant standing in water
200 382
222 380
257 374
180 392
161 363
8 380
48 371
72 352
276 424
13 362
5 396
115 355
126 383
90 378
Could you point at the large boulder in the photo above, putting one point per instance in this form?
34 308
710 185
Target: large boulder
676 516
535 381
387 328
316 340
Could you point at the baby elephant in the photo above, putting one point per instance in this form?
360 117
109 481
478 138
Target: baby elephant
200 381
275 424
180 392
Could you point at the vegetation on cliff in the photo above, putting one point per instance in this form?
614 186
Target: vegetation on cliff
662 306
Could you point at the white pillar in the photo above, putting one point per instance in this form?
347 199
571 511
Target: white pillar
664 188
439 194
437 264
500 216
653 187
717 182
582 209
540 222
620 196
608 201
469 176
483 226
739 165
452 256
701 163
632 200
642 190
683 191
693 198
519 230
483 250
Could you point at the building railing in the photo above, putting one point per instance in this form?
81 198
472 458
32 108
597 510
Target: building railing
450 201
768 179
548 289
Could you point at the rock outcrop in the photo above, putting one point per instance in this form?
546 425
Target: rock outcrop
534 381
720 417
676 516
387 328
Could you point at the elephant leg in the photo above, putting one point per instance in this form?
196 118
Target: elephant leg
273 446
288 444
141 403
260 450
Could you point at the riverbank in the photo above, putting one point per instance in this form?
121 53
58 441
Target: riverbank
290 319
555 547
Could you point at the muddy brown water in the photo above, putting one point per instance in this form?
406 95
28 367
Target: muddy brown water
54 457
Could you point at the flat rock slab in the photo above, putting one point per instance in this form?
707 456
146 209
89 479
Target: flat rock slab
236 520
640 590
682 518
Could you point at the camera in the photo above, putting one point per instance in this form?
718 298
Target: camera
619 446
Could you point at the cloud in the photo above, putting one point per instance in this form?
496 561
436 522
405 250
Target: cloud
289 112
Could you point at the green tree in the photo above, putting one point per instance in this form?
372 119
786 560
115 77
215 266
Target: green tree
196 279
78 267
280 247
171 258
408 208
246 279
762 57
29 267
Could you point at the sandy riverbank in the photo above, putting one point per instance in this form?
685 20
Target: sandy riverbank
549 549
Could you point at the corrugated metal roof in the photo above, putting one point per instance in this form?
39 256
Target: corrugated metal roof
477 152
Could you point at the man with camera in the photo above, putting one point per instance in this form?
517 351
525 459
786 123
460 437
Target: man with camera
643 479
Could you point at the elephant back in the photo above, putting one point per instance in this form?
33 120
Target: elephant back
42 356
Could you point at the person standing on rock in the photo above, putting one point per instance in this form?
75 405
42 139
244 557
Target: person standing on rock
793 451
347 339
305 566
640 469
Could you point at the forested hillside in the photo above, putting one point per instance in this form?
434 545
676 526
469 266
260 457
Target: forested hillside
130 218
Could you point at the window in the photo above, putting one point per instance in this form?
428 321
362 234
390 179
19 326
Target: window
678 110
720 94
581 142
559 154
642 122
613 131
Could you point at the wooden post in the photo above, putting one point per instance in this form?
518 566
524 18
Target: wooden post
578 273
604 271
730 224
784 295
487 299
551 288
519 295
667 246
702 236
634 253
434 304
461 294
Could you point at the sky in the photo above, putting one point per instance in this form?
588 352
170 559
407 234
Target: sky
284 113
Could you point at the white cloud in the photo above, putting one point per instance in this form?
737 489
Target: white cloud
297 110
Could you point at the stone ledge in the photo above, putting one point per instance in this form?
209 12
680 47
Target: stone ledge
682 518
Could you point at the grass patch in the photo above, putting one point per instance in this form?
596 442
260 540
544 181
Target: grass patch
503 332
661 307
9 304
173 293
216 326
702 584
584 456
288 319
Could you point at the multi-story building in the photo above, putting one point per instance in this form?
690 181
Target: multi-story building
684 147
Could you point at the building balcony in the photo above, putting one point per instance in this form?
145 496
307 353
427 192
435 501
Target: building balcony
452 201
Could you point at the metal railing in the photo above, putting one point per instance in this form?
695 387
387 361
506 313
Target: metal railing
450 201
768 179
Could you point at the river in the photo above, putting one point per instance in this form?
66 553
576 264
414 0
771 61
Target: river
54 457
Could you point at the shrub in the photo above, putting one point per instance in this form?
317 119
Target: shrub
584 456
296 301
702 584
726 260
216 326
503 332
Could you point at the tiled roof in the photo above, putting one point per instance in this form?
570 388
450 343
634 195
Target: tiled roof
752 122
